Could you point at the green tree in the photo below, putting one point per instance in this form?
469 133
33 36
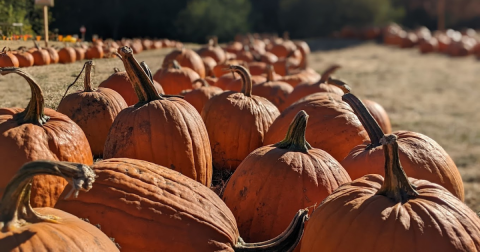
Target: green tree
223 18
21 11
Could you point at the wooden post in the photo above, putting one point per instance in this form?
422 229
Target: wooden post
441 15
45 23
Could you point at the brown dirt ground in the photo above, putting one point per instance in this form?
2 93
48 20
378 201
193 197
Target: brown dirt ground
432 94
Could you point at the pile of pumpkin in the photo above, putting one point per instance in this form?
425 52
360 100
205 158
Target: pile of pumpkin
40 56
451 42
313 168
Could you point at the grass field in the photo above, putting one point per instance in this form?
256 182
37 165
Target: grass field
432 94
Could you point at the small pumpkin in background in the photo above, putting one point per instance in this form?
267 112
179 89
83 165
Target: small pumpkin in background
174 78
213 50
8 59
199 96
94 52
268 58
428 46
209 64
223 68
275 91
245 55
306 75
30 229
373 213
93 110
54 57
223 81
239 114
257 68
237 84
211 80
275 181
38 133
41 56
420 155
67 55
186 58
79 53
120 82
25 59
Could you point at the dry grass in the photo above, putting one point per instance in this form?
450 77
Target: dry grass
432 94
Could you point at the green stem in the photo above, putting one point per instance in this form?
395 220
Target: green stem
246 79
15 208
87 82
396 185
295 138
34 113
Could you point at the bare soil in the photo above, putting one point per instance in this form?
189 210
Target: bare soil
432 94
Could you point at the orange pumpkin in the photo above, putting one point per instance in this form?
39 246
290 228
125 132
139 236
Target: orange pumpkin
234 47
8 59
223 68
28 229
379 114
428 46
268 58
93 110
186 58
213 50
237 84
304 50
306 75
395 213
54 57
257 68
174 79
333 127
209 64
79 53
25 59
299 177
94 52
158 128
211 80
420 155
67 55
120 82
239 114
38 133
275 91
225 79
198 97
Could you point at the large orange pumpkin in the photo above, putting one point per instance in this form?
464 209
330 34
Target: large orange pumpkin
93 110
213 50
186 58
237 122
174 78
275 181
200 96
275 91
38 133
25 59
395 213
420 155
120 82
147 207
162 130
67 55
333 127
8 59
47 229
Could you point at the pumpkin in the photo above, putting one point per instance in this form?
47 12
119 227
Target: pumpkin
67 55
428 46
54 57
275 91
25 59
285 66
41 56
186 58
233 47
268 58
333 126
211 80
284 49
8 59
120 82
420 155
209 64
93 110
379 114
373 213
245 55
257 68
213 50
175 78
272 183
225 79
237 84
198 97
79 53
306 75
304 50
94 52
223 68
408 39
136 46
39 133
304 89
27 229
147 44
237 122
163 130
136 202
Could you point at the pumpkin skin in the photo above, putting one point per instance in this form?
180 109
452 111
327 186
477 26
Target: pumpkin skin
94 52
209 64
186 58
268 58
67 55
225 80
199 97
222 69
174 79
243 115
420 155
120 82
93 110
423 216
298 177
8 59
54 57
236 85
275 91
213 50
25 59
41 56
307 75
48 229
157 129
380 115
79 53
333 127
36 133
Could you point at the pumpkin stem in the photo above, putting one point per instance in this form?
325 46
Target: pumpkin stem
4 50
141 82
286 241
15 208
295 138
270 72
286 35
215 41
396 185
87 82
329 71
34 113
202 81
174 64
246 79
36 45
369 123
116 69
147 70
341 84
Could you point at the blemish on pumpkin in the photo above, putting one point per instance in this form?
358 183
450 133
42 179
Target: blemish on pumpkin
243 192
172 167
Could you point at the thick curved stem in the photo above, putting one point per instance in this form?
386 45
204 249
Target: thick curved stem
326 74
295 138
34 113
341 84
369 123
286 241
15 208
141 82
87 82
202 81
174 64
270 72
396 185
246 79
